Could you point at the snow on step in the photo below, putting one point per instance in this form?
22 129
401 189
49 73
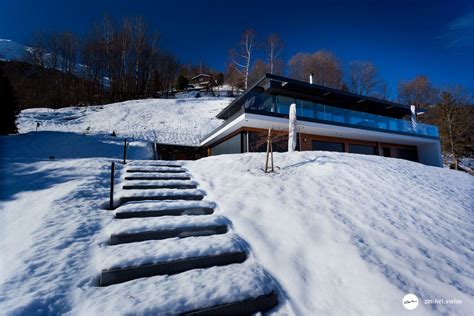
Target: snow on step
120 275
147 184
139 229
156 251
181 232
176 294
163 205
160 182
161 186
152 163
259 304
160 176
155 170
135 225
162 194
164 208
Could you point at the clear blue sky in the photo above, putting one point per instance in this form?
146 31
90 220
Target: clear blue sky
402 38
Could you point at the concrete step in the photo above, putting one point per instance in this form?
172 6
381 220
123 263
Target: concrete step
115 276
181 232
164 295
251 306
164 197
152 164
131 178
159 186
165 212
168 170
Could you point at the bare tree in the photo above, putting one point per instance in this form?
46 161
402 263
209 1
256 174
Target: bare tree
38 48
362 77
383 92
259 69
418 92
152 61
451 115
242 59
299 66
324 65
273 47
113 62
68 46
233 78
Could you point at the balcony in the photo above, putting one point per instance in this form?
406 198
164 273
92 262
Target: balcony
321 113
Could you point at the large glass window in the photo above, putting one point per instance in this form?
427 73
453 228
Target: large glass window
231 146
327 146
362 149
319 111
283 104
408 154
307 109
258 142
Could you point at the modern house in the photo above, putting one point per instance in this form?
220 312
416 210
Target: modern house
328 119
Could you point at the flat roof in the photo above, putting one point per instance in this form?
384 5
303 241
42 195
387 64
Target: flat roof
278 85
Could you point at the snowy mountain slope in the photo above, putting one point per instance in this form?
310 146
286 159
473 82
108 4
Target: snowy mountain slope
10 50
13 51
348 234
175 121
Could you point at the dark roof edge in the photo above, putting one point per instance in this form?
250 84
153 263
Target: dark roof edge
307 84
240 96
280 78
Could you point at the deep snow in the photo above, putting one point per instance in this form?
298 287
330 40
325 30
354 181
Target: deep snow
348 234
343 234
183 120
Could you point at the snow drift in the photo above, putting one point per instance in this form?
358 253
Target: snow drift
343 234
349 234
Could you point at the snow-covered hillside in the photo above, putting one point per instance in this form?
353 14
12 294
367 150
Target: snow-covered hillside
342 234
348 234
11 50
181 121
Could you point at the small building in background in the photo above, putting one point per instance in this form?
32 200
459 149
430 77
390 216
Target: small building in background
201 80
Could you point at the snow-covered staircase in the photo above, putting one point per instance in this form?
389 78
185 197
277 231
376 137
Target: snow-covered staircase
167 244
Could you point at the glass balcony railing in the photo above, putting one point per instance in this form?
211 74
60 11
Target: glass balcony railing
307 109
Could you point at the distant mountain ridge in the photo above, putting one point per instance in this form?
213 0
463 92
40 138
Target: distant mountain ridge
11 50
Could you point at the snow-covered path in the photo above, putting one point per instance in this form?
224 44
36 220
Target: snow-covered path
168 265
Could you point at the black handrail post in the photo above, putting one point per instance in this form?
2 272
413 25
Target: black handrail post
112 180
125 152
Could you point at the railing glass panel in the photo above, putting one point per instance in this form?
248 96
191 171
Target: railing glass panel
308 109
